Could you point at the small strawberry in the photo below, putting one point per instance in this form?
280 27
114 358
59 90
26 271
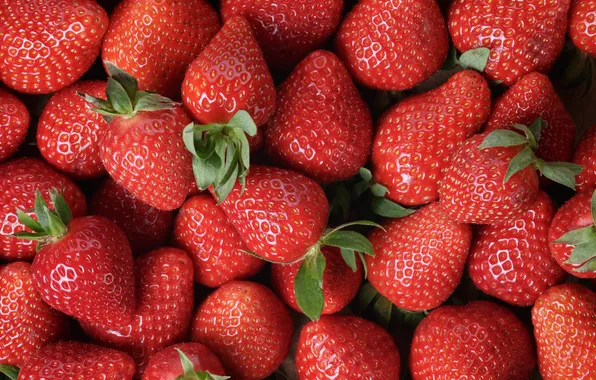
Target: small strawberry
322 127
480 340
247 327
156 42
19 180
582 24
68 132
14 123
585 155
565 332
416 138
511 261
184 360
48 44
389 45
346 347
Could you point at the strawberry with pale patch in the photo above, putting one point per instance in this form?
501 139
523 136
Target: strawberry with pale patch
14 123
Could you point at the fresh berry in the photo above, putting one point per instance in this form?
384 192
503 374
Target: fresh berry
166 364
14 123
582 25
585 155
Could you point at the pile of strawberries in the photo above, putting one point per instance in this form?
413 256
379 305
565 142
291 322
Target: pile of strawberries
298 189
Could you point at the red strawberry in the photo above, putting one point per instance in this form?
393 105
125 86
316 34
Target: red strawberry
14 123
165 297
346 347
68 132
480 340
156 42
322 127
26 322
48 44
585 155
19 179
582 24
247 327
393 45
416 138
287 30
521 36
145 227
166 364
511 261
202 229
563 319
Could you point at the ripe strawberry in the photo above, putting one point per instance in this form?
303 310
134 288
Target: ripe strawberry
247 327
156 42
19 179
563 320
27 323
416 138
346 347
165 297
585 155
68 132
48 44
511 261
202 229
480 340
14 123
168 363
521 37
582 24
390 45
145 227
287 30
322 127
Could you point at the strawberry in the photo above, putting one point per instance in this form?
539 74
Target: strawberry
287 30
585 155
516 37
68 132
171 362
27 323
389 45
480 340
416 138
247 327
563 320
322 127
165 298
48 44
511 261
582 24
145 227
157 42
14 123
202 229
19 180
346 347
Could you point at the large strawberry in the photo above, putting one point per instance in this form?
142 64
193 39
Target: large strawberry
68 132
187 360
416 138
19 180
563 320
14 123
516 37
156 41
393 45
48 44
585 155
480 340
247 327
321 127
582 24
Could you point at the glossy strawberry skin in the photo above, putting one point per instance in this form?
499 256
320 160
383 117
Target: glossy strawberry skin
165 365
346 347
390 45
68 132
522 36
26 322
156 41
322 127
287 30
582 25
48 44
165 300
14 123
480 340
19 179
564 317
585 155
280 215
75 360
247 327
416 138
473 190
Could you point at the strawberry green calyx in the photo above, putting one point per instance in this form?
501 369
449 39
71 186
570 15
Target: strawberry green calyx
9 371
191 374
380 205
475 59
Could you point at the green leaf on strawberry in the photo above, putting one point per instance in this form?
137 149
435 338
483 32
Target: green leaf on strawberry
9 371
476 59
380 205
191 374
